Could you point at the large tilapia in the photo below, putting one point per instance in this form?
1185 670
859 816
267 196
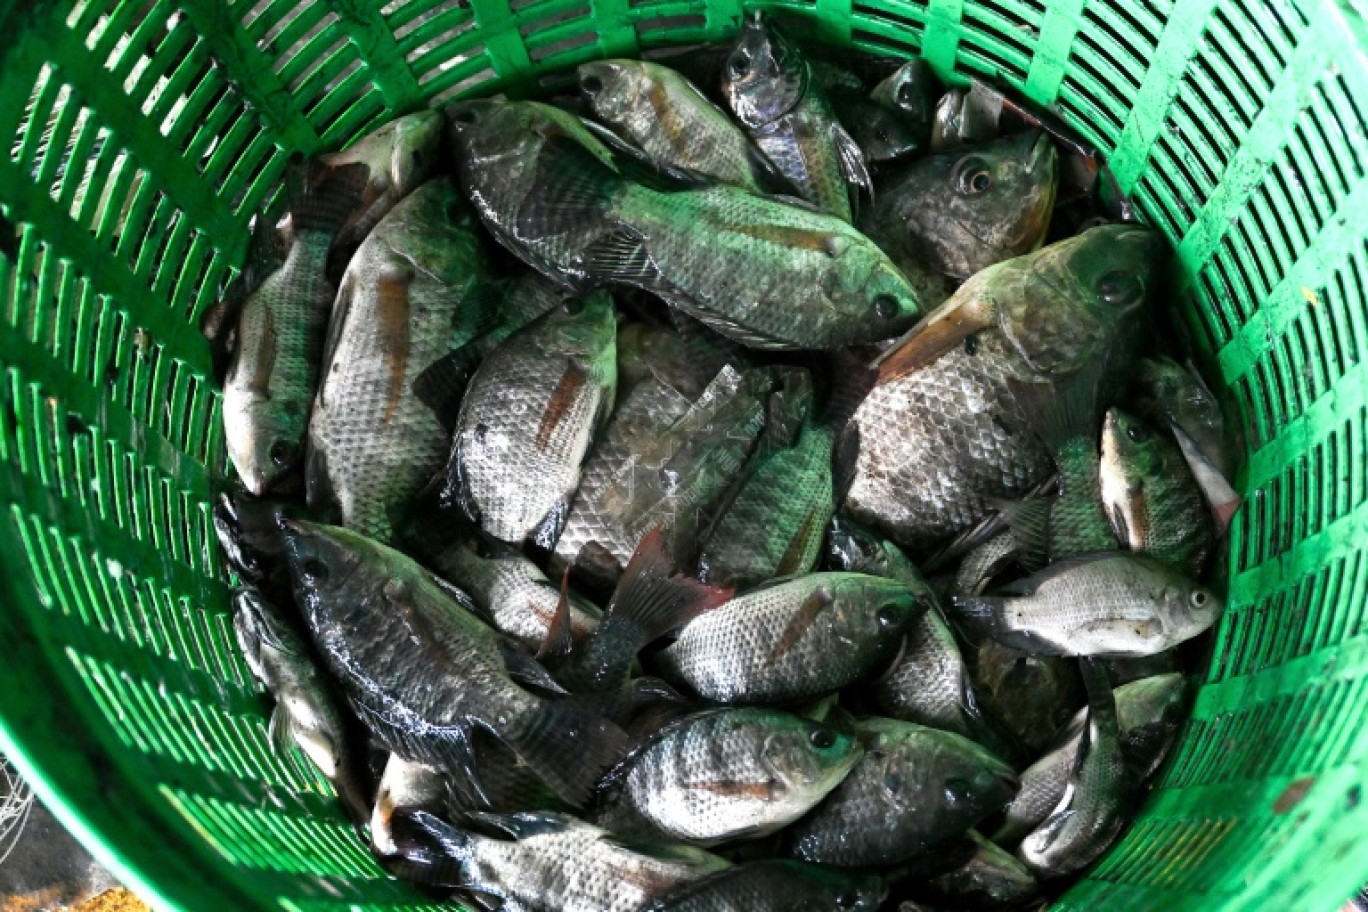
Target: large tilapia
941 434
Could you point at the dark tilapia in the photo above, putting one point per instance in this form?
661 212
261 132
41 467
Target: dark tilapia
546 861
776 885
771 275
1108 604
528 419
989 879
671 120
941 434
911 90
965 116
686 364
1176 396
930 684
769 86
961 212
1029 696
1092 812
423 671
724 774
1155 504
983 562
793 638
397 157
416 292
915 788
307 716
279 336
663 462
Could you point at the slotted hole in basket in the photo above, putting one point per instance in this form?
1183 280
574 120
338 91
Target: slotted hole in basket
562 46
906 17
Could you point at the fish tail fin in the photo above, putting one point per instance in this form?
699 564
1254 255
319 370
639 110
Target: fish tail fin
651 600
568 746
322 197
430 850
1101 698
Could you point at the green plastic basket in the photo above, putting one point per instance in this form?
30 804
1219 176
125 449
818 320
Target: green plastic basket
147 133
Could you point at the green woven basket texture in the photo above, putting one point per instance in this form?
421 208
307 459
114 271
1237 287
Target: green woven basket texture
145 134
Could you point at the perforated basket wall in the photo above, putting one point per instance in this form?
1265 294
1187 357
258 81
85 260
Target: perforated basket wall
146 133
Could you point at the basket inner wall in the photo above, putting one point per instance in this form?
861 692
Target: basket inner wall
145 135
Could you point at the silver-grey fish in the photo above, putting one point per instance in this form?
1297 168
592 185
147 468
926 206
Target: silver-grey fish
793 638
417 291
1111 604
1177 396
307 716
423 671
768 84
528 419
777 885
915 788
674 123
542 862
1155 504
940 435
724 774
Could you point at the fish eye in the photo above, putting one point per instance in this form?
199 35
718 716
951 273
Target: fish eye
891 615
1198 598
314 570
848 898
957 790
280 453
886 306
1118 288
465 115
739 63
893 781
822 738
973 177
1137 433
905 95
591 84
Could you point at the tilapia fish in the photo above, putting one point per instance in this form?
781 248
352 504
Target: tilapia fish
546 861
1177 396
422 671
274 369
912 91
941 434
769 86
415 293
793 638
989 879
776 885
724 774
415 786
671 121
769 275
528 419
654 470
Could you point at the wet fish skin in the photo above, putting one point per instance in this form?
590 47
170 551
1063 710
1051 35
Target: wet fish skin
549 861
914 789
1155 504
724 774
528 418
912 90
776 885
417 291
1112 604
307 715
1028 695
1179 396
686 364
665 115
792 638
989 879
769 86
404 785
960 212
941 435
423 671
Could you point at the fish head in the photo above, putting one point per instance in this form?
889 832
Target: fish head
765 75
968 209
1180 396
1157 698
806 756
946 777
1188 608
586 324
912 90
1134 458
414 151
881 133
868 609
613 88
322 559
267 446
865 290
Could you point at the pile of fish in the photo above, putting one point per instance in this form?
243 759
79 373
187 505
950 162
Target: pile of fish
752 484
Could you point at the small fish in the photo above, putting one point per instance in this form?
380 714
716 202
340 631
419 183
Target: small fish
1155 504
1093 810
671 121
398 157
930 684
940 434
416 292
415 786
548 861
279 336
776 885
528 418
1177 396
422 671
793 638
960 212
989 879
724 774
769 87
307 716
915 788
1110 604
